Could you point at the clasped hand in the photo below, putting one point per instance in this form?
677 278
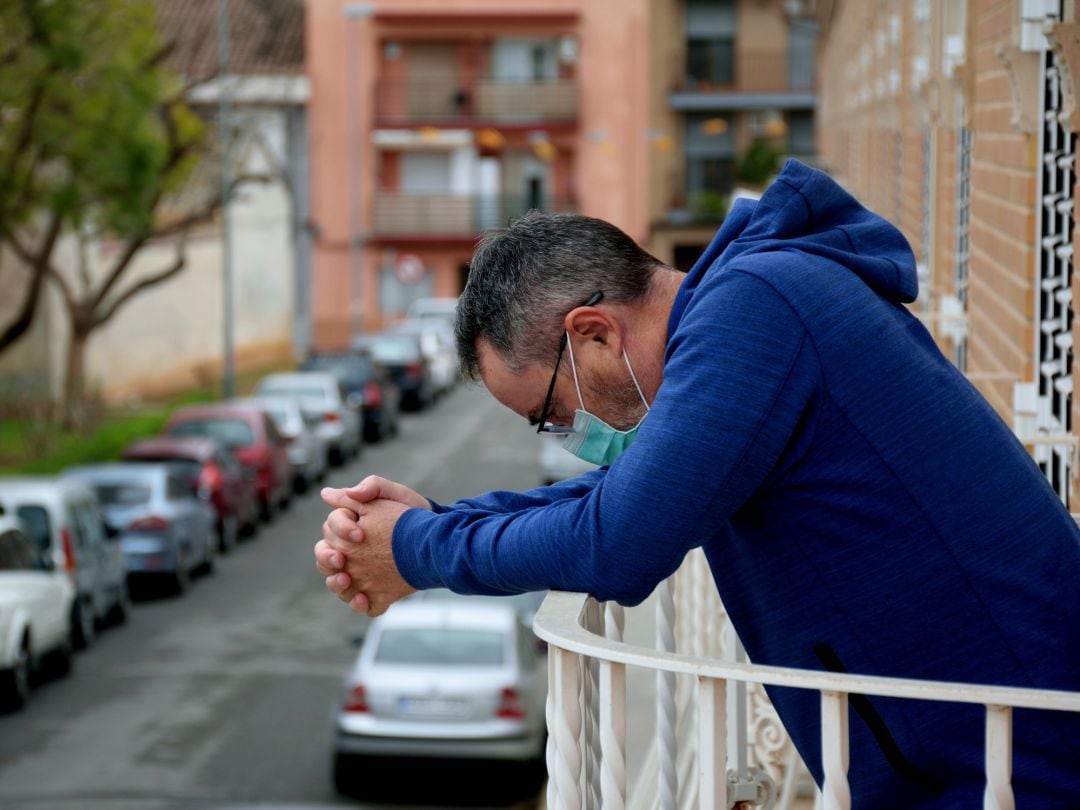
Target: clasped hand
355 553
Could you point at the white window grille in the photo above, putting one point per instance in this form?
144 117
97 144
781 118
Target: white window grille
963 246
1053 290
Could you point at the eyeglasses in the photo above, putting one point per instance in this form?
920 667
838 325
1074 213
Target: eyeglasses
544 427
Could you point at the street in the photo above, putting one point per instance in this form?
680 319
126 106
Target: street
223 698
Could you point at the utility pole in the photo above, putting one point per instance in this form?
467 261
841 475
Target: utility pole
354 14
224 125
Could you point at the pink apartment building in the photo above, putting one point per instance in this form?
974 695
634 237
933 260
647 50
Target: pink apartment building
432 121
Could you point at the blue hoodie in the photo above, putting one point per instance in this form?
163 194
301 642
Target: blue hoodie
861 506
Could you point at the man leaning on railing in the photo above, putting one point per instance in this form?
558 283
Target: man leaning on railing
862 507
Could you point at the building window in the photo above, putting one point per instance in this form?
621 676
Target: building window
710 43
710 156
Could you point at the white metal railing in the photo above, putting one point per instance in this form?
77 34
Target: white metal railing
587 700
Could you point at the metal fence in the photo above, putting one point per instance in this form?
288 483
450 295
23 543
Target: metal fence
706 753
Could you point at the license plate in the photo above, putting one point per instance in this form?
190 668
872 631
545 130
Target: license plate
431 707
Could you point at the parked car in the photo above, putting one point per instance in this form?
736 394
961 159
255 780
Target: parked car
166 528
443 679
526 604
63 518
555 463
221 480
400 354
36 601
361 376
437 344
433 309
321 396
252 436
305 448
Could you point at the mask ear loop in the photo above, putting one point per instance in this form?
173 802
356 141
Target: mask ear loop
573 367
632 377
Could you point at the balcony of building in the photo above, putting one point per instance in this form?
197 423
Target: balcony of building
711 738
719 77
445 216
504 81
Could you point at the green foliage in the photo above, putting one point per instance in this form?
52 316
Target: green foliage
710 206
758 163
89 120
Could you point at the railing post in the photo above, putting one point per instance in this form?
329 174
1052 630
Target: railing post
835 792
566 774
712 744
667 780
612 718
999 793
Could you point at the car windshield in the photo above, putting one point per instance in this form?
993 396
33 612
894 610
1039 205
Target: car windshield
125 494
297 389
36 520
230 432
394 351
439 646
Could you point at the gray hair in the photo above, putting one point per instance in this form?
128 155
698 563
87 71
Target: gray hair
525 278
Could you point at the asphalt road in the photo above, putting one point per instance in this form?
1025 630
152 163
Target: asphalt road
222 698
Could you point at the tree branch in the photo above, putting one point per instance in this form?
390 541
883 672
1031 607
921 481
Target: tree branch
149 281
39 263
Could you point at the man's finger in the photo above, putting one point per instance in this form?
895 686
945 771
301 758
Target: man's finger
328 560
339 583
342 523
360 604
374 487
338 499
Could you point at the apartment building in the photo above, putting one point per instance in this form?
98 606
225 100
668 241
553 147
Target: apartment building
956 120
431 122
726 75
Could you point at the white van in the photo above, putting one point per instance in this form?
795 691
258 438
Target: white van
62 517
35 613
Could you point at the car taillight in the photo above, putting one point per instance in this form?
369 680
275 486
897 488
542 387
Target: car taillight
414 369
210 477
356 700
511 706
69 549
149 524
373 395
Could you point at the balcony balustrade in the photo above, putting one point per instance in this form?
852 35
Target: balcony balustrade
445 100
454 215
717 744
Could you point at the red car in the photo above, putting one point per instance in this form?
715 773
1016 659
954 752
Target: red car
222 481
250 433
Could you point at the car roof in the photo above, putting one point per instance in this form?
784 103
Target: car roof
119 469
195 448
448 615
300 376
264 400
8 522
217 409
40 486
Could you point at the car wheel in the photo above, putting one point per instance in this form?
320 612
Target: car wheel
15 682
301 484
345 780
181 580
82 626
121 608
267 510
228 532
62 659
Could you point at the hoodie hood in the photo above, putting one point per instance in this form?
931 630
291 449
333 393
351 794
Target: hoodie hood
806 211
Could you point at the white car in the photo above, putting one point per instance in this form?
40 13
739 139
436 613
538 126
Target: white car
63 518
556 464
336 415
440 309
35 613
443 679
306 449
439 349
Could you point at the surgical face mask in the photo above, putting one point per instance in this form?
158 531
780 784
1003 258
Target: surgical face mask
591 438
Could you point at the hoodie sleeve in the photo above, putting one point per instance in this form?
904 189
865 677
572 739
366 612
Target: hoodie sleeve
740 374
503 501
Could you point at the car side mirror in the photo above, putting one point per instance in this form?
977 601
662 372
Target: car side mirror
355 401
356 640
45 562
111 532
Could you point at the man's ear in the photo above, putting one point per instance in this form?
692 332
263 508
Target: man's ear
593 325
